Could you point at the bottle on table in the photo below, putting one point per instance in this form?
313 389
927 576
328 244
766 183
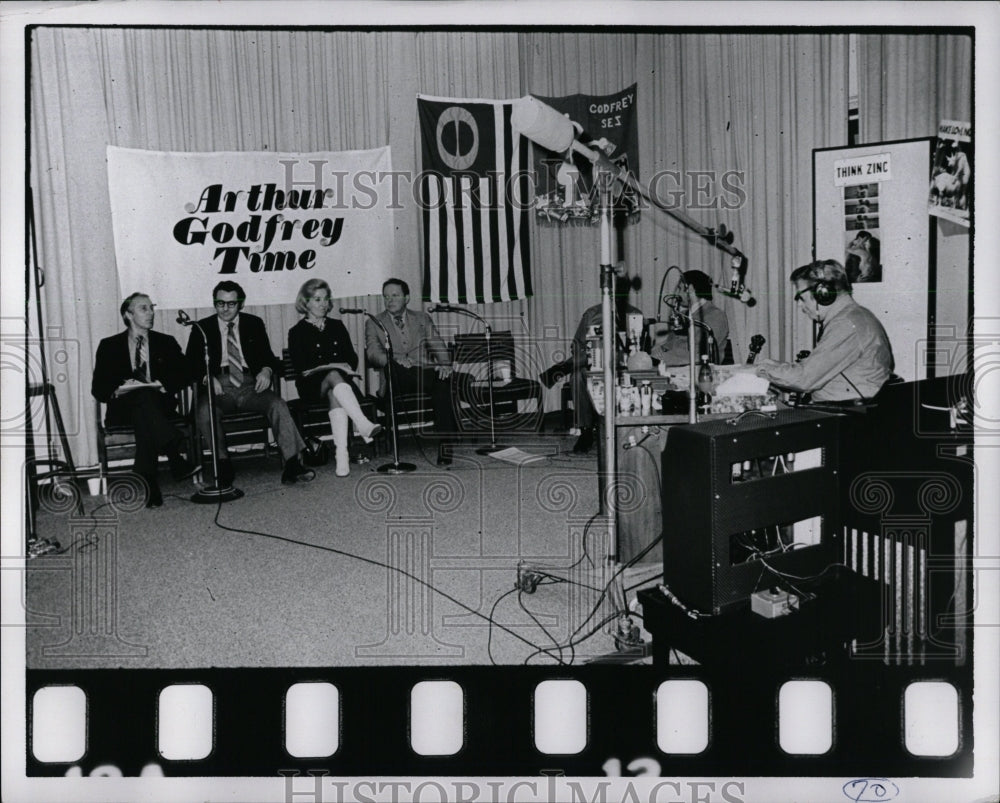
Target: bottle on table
705 377
705 382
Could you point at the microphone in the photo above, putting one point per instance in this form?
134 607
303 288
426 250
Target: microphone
542 124
444 308
183 318
737 284
674 320
556 132
346 311
743 294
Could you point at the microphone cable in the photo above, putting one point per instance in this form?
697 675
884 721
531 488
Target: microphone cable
378 564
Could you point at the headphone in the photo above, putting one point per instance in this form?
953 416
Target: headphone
824 285
824 292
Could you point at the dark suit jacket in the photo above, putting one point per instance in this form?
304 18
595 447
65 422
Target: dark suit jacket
113 364
309 347
253 340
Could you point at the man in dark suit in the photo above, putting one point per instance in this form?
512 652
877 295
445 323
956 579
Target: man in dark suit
242 365
136 373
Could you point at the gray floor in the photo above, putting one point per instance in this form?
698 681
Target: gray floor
365 570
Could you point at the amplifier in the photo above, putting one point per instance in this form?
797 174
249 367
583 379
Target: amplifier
745 502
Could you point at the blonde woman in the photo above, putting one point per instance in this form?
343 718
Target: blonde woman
326 364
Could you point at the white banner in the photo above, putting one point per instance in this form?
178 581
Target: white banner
185 221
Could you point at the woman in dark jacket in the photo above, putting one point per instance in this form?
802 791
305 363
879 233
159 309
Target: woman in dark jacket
326 364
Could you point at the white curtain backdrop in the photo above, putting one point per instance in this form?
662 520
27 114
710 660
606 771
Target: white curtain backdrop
908 83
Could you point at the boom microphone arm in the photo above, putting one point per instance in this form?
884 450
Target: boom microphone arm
548 128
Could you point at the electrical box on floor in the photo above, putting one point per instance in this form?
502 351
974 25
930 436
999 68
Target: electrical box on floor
772 604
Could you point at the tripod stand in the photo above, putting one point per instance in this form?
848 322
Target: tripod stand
36 546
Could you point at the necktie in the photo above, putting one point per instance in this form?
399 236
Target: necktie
141 363
235 357
399 319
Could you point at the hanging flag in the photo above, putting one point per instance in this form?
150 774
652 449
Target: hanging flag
475 196
566 191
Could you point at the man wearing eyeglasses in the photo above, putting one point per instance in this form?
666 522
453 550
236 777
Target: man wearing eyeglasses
241 368
852 359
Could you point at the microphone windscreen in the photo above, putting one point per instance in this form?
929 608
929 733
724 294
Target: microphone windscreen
542 124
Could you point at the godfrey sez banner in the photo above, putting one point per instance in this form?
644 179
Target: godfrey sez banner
270 221
565 191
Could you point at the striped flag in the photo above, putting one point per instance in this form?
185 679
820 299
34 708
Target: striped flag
475 194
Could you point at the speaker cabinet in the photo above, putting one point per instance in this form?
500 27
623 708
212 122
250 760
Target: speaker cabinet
748 506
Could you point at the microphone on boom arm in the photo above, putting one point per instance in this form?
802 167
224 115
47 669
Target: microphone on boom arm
737 285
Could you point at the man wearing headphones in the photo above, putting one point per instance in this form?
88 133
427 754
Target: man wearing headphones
852 358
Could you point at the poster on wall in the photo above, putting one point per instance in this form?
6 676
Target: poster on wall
269 221
870 215
950 193
860 179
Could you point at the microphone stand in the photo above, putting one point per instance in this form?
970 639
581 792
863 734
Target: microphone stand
494 446
395 467
215 492
606 173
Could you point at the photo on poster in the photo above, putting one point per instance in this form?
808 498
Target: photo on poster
863 260
861 207
862 257
952 179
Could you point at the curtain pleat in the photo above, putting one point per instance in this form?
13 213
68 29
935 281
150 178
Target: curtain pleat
908 83
75 244
750 107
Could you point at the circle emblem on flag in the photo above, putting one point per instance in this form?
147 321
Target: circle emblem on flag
460 118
